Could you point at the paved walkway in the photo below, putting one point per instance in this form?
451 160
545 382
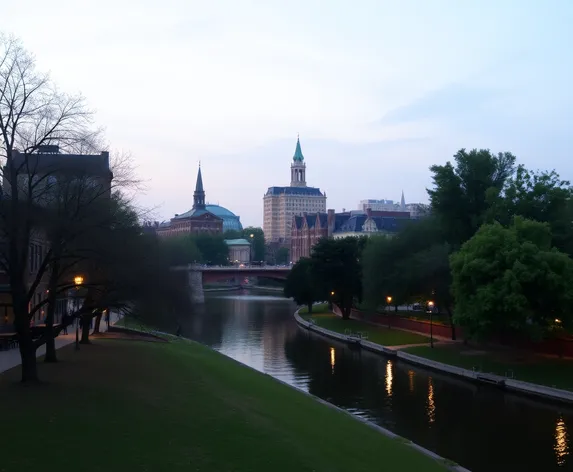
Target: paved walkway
11 358
436 343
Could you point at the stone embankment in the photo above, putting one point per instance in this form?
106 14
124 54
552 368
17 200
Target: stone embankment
526 388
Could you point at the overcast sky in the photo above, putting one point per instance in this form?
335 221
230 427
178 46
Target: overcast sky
378 90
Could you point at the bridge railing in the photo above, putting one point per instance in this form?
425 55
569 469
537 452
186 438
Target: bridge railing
206 268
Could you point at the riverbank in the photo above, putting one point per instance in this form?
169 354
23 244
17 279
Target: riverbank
323 318
437 361
171 406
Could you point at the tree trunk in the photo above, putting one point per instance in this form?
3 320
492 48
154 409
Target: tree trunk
97 322
86 322
346 310
50 355
28 355
452 325
26 343
309 308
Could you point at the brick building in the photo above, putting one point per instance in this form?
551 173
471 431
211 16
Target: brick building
45 177
308 229
197 220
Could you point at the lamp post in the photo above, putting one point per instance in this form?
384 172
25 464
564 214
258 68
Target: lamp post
431 307
331 300
78 281
252 236
388 301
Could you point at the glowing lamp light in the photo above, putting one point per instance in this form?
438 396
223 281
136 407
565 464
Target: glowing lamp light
332 293
557 320
389 299
78 280
430 303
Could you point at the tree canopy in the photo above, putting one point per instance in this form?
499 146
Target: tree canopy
300 284
463 193
510 280
337 272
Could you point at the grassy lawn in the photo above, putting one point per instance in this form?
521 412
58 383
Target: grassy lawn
142 406
316 309
548 371
376 334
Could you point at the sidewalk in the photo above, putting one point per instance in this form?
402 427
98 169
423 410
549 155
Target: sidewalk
11 358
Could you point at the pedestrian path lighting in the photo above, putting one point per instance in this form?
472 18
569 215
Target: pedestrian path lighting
388 301
431 310
78 281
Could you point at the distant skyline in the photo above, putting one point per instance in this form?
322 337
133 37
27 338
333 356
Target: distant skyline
378 90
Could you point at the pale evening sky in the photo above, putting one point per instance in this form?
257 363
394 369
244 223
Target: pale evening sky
378 90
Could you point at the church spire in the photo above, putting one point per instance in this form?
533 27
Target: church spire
298 157
199 194
298 167
403 201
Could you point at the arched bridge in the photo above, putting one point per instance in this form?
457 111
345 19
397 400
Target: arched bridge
198 275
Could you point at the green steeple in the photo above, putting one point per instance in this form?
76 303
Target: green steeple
298 157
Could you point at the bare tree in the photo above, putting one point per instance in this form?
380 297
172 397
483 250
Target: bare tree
33 113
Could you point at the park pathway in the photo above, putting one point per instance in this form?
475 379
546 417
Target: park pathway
11 358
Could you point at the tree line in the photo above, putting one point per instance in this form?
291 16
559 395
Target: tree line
211 249
493 254
69 229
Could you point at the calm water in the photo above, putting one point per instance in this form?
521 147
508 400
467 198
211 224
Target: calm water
480 427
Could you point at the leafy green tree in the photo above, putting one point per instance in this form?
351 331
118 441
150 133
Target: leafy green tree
233 234
337 272
411 267
282 256
180 250
464 194
212 247
257 239
509 281
540 196
300 285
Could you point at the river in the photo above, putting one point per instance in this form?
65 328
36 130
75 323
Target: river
479 427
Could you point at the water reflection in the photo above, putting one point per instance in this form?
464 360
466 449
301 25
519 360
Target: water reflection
332 358
431 403
480 427
389 378
561 442
411 375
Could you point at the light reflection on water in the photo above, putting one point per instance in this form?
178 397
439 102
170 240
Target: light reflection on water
411 376
561 442
474 420
389 378
431 402
332 358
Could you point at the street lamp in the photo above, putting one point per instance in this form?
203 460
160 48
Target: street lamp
252 236
431 308
388 301
78 281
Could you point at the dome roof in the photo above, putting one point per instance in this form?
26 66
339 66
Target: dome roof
230 220
219 210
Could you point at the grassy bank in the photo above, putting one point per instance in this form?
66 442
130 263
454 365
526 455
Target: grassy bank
136 406
377 334
548 371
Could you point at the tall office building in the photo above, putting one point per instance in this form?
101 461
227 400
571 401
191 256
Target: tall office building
282 203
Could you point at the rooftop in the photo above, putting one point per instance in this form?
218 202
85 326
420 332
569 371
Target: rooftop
237 242
305 191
